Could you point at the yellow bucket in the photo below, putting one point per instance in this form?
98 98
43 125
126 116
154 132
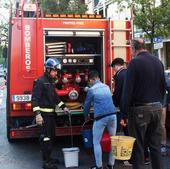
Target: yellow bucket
122 147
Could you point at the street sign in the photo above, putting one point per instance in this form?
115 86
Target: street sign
158 45
157 40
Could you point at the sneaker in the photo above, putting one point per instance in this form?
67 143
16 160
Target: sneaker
109 166
55 161
49 165
95 167
147 161
126 163
163 150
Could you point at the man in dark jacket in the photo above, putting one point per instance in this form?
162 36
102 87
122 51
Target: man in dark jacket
118 65
143 93
44 101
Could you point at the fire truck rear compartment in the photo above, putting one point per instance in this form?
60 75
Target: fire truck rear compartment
78 55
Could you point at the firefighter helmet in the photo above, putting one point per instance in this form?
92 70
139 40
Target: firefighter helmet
53 63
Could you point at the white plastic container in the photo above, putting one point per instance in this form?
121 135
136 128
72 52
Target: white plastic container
71 156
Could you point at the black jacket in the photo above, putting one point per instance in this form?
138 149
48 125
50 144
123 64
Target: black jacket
44 95
119 80
144 82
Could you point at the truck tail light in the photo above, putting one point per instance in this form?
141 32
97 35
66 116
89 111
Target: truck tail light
21 106
16 106
12 133
28 106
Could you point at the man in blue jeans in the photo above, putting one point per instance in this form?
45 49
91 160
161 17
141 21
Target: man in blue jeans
104 116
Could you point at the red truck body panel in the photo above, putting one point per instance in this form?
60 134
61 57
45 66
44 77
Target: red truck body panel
27 56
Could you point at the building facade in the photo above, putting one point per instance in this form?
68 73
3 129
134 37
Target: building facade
114 11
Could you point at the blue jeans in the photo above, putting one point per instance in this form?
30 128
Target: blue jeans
109 122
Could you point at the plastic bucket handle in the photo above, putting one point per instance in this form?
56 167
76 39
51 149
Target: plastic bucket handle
87 121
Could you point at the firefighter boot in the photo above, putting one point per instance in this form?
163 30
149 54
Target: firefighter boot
55 161
46 148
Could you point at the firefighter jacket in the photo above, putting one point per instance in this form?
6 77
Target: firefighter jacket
44 97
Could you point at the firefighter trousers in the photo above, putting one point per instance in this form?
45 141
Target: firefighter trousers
47 135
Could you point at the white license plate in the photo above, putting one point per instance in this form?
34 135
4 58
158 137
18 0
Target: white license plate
21 98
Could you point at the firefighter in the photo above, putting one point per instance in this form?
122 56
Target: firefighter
44 101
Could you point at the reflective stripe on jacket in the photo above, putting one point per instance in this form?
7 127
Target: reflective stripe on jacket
44 97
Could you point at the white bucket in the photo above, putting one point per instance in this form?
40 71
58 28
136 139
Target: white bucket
71 156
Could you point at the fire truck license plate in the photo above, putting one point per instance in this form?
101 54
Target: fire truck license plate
21 98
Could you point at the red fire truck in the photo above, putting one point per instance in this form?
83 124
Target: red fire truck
80 42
